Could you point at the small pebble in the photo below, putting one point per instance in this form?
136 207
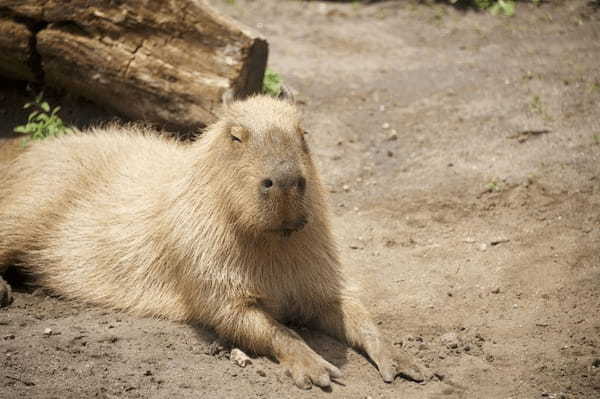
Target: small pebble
48 332
240 358
385 125
261 373
450 339
346 187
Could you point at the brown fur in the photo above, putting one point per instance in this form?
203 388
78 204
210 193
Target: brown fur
122 218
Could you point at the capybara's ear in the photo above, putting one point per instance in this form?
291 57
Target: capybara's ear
238 134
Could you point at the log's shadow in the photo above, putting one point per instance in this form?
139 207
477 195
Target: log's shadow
75 111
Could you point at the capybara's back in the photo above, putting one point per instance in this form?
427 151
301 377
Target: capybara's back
83 213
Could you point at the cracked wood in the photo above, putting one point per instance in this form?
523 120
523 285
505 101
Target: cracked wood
169 62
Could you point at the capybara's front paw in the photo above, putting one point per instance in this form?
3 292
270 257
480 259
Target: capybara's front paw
5 293
308 369
392 363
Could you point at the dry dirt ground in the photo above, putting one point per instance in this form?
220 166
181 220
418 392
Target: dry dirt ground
462 153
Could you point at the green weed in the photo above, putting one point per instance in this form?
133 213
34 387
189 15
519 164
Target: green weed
493 187
536 105
42 122
272 83
495 7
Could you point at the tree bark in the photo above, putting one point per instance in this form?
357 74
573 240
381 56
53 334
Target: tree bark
165 61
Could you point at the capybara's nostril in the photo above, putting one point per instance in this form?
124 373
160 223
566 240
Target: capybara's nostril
266 184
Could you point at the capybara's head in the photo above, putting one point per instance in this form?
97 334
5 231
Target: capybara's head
268 182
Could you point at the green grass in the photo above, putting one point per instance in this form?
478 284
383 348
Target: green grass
272 83
493 186
495 7
536 105
504 7
42 122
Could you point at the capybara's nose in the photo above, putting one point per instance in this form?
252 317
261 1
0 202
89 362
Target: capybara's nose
286 179
284 183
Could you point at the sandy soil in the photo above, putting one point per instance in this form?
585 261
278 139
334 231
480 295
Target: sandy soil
462 153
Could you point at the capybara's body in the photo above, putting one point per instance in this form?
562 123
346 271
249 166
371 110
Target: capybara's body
230 231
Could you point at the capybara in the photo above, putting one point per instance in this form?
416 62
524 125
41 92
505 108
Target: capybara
231 231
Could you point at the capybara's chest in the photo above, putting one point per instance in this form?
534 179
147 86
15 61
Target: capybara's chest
292 297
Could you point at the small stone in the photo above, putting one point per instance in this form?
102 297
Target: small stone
261 373
9 336
596 363
393 135
385 125
496 290
482 247
48 332
450 339
240 358
147 373
346 187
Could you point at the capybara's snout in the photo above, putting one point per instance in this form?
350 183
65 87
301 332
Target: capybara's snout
285 178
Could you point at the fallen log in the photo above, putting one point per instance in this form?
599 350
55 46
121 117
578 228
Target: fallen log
170 62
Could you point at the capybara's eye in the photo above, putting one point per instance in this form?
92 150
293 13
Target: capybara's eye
267 183
304 144
301 183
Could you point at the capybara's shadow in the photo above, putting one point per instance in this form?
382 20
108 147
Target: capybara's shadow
330 349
